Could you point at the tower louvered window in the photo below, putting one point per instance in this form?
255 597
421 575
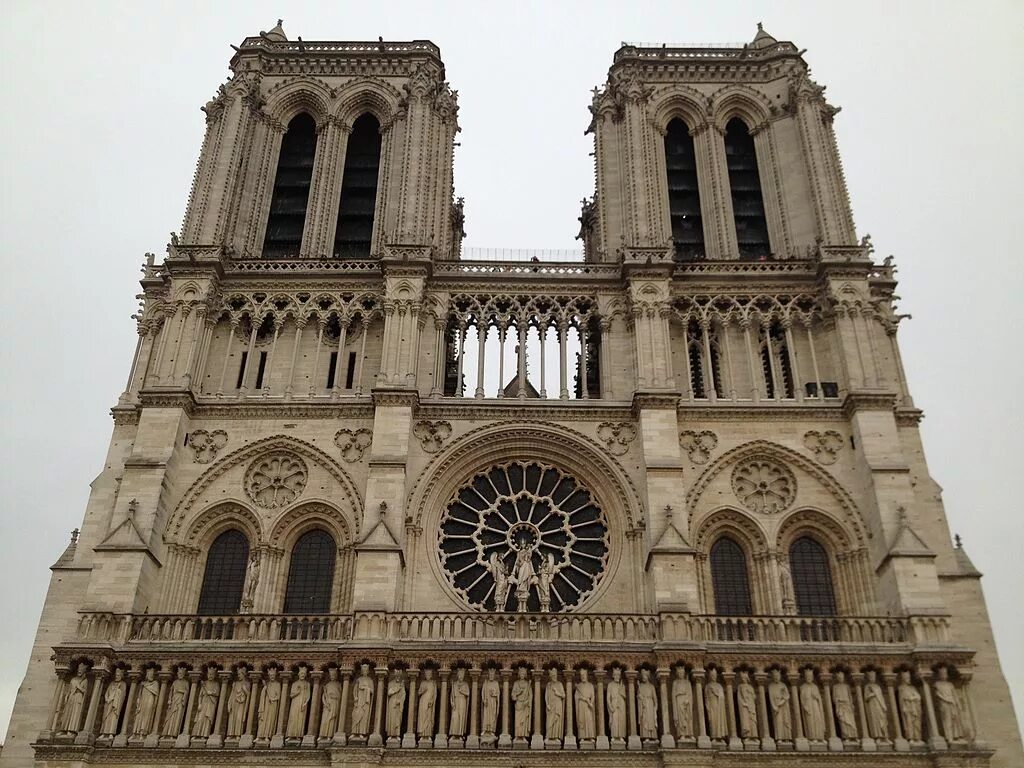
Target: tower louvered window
311 574
354 234
745 186
224 576
683 192
291 190
812 578
729 578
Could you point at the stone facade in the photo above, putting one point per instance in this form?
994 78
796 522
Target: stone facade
538 566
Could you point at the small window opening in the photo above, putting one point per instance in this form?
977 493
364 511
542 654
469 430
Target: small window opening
241 370
332 368
683 192
745 189
260 370
354 233
350 373
290 197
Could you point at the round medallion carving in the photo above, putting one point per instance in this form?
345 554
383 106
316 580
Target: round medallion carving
276 479
763 485
523 536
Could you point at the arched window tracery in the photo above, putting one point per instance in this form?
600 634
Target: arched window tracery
354 232
683 192
224 575
290 197
730 579
745 189
311 573
812 578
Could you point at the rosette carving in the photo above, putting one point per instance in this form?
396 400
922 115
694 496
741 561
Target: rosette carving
764 485
276 479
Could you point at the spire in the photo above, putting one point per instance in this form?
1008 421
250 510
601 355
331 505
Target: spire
277 34
907 543
762 39
963 562
65 560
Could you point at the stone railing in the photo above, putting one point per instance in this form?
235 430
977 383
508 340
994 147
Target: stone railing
526 269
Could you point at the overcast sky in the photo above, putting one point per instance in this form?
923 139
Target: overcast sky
101 129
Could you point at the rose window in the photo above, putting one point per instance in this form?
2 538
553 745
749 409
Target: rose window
523 537
276 480
764 485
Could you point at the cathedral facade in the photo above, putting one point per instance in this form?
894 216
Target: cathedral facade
369 501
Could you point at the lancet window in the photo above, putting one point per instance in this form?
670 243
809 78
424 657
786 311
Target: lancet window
683 192
290 197
224 575
745 188
729 578
812 578
311 573
354 233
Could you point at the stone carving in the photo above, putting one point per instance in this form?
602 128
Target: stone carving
615 702
145 704
270 705
206 707
427 695
299 694
176 704
778 700
746 706
554 697
714 705
330 700
499 572
810 707
910 707
432 434
786 586
74 700
824 445
698 445
395 704
584 699
276 479
647 706
616 435
682 704
523 577
353 443
877 710
544 576
361 699
113 700
206 445
522 698
763 485
459 700
490 693
949 706
238 703
252 580
842 701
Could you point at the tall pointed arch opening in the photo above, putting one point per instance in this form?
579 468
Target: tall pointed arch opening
683 192
353 236
745 189
224 575
290 198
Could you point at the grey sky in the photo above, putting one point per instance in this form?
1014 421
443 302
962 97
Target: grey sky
101 130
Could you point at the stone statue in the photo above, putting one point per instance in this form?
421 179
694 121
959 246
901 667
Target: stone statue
330 699
395 703
361 700
647 706
714 704
910 707
490 694
299 694
522 698
584 697
459 700
523 578
682 704
949 706
113 700
778 699
74 700
544 577
499 572
270 705
615 700
810 706
252 578
786 587
842 700
746 700
554 697
877 710
427 695
145 704
206 704
176 701
238 703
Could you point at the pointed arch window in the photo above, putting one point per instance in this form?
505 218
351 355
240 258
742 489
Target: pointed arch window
812 578
354 234
729 578
683 192
311 573
745 188
224 576
290 197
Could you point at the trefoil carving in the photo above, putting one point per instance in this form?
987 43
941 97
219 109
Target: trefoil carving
353 443
698 445
824 445
206 445
616 436
432 434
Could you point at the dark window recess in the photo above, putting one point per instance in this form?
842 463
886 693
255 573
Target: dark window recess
729 579
332 369
353 236
261 370
693 349
593 368
224 576
241 370
452 385
311 574
683 192
291 190
350 374
830 388
745 186
812 578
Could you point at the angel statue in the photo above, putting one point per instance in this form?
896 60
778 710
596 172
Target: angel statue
499 572
544 577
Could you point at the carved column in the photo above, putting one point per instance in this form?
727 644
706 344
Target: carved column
247 738
730 711
121 740
935 739
633 740
216 738
602 736
409 740
55 705
340 736
834 742
965 687
376 739
88 733
570 736
867 743
153 738
895 726
800 743
441 740
185 737
282 712
703 742
767 742
537 742
505 739
473 739
313 728
667 739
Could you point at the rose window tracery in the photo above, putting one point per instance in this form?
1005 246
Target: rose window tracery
764 485
276 480
523 536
